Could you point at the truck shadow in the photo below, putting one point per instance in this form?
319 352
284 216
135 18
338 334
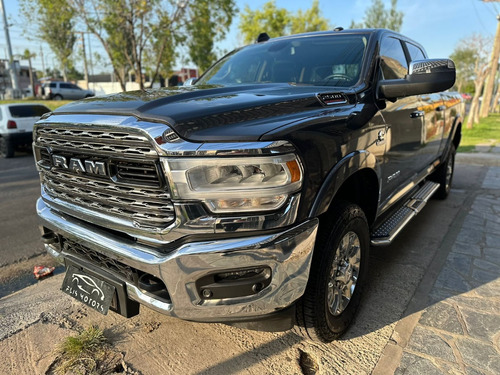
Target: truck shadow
420 269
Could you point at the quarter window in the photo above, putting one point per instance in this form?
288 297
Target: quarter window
393 59
415 52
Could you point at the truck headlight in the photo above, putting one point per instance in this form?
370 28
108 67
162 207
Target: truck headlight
235 184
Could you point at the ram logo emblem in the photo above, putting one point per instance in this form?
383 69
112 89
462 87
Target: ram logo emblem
79 166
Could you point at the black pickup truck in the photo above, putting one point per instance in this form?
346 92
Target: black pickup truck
253 196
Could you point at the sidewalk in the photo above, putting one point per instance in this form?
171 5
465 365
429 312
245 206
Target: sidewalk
452 325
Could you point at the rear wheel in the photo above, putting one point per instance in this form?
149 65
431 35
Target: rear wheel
57 97
6 148
337 275
444 175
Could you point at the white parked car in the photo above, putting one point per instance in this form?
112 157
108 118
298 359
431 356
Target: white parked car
16 125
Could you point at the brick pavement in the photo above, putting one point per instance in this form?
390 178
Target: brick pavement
459 331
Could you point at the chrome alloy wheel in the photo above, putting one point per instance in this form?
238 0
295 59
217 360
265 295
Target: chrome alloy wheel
344 273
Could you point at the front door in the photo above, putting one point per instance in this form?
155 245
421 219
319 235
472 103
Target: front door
405 125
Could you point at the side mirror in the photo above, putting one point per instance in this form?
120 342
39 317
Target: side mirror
424 77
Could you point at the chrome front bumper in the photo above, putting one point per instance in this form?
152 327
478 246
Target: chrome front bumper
288 254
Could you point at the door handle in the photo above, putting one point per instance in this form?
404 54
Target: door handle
417 114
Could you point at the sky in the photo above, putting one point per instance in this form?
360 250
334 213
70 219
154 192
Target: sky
438 25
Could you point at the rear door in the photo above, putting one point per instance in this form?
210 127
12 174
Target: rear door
432 107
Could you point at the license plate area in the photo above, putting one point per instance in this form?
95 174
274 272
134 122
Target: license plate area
89 289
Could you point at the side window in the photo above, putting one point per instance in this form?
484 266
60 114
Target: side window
393 59
53 85
66 86
415 52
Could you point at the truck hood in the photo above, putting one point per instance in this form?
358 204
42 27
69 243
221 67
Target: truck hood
212 113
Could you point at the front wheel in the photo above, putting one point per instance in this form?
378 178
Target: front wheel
444 175
337 275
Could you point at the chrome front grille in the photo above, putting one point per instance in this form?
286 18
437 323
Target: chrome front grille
133 191
146 208
96 141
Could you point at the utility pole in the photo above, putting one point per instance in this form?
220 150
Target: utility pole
86 70
12 70
43 61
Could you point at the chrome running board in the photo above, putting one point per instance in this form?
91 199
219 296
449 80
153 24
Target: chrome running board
387 231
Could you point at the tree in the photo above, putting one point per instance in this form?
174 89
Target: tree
270 19
55 21
279 21
208 22
138 32
464 58
376 16
309 20
477 46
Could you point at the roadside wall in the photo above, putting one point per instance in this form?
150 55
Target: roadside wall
104 88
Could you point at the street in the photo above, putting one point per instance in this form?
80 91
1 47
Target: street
19 189
154 343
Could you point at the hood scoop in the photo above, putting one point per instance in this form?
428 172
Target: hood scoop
332 98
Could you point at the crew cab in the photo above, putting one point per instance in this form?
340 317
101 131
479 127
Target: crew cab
252 197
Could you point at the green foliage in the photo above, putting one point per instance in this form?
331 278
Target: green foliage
74 75
377 16
208 23
27 55
309 20
279 21
55 21
144 35
464 57
82 353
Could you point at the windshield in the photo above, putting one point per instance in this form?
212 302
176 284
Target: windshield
320 61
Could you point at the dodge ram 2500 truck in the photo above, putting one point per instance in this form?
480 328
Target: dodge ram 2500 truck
253 196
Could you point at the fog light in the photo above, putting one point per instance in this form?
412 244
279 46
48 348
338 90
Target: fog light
234 283
240 274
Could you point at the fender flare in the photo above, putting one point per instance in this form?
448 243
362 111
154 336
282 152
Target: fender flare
344 169
456 121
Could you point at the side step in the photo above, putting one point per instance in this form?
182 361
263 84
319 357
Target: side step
385 233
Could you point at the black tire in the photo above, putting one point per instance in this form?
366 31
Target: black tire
57 97
7 149
317 319
444 175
